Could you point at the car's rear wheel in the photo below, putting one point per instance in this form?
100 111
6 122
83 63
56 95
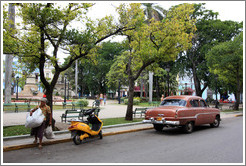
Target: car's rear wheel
216 122
189 126
158 127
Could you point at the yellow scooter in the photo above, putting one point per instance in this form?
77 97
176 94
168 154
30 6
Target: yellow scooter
81 130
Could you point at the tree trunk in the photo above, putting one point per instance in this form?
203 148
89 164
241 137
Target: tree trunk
196 82
158 95
237 94
49 94
9 60
130 100
141 88
146 88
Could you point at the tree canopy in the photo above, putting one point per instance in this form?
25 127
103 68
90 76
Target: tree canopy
153 42
226 61
49 26
210 32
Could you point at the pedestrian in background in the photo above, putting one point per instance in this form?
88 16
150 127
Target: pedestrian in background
101 98
38 132
162 98
104 99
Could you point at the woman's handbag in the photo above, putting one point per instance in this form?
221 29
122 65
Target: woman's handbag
48 133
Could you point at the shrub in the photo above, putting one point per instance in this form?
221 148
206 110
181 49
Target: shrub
143 99
135 101
84 102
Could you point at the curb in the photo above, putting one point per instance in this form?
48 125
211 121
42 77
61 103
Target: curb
67 131
238 115
17 147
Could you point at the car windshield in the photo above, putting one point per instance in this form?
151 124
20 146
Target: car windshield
173 102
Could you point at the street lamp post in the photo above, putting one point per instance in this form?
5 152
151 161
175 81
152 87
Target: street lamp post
65 87
119 92
67 90
185 88
216 91
168 69
17 79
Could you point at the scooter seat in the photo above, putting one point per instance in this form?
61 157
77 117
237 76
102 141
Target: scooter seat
89 111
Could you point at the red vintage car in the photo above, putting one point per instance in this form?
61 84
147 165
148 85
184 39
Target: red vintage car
182 111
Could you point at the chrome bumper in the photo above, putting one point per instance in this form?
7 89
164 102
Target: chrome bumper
163 121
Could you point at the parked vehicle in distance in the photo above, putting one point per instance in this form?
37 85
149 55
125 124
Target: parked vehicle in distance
182 111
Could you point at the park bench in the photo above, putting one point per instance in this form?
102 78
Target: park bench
73 104
71 114
17 106
140 111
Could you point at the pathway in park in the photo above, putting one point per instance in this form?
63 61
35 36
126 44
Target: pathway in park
111 110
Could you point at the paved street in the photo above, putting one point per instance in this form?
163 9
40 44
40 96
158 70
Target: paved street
204 145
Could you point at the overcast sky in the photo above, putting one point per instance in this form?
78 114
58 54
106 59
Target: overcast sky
228 10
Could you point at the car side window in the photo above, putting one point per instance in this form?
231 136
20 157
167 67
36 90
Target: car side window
194 103
202 103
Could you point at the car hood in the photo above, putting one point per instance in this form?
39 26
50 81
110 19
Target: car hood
168 111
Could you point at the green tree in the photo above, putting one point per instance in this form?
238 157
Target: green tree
226 60
158 41
50 25
152 10
92 72
210 32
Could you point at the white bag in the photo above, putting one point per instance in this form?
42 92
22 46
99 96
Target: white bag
35 120
48 133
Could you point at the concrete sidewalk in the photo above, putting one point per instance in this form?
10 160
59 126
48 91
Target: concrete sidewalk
26 141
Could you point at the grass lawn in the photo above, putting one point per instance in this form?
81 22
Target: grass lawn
113 121
15 130
22 130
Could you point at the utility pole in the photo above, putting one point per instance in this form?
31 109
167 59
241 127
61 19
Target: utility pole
9 59
150 86
76 78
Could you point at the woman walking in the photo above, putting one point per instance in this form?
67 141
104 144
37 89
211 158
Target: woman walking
38 132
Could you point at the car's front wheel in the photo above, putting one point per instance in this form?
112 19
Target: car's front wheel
189 126
158 127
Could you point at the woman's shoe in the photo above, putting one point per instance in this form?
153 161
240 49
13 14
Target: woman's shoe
35 141
40 146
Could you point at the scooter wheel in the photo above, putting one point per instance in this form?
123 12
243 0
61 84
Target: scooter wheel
76 140
100 135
